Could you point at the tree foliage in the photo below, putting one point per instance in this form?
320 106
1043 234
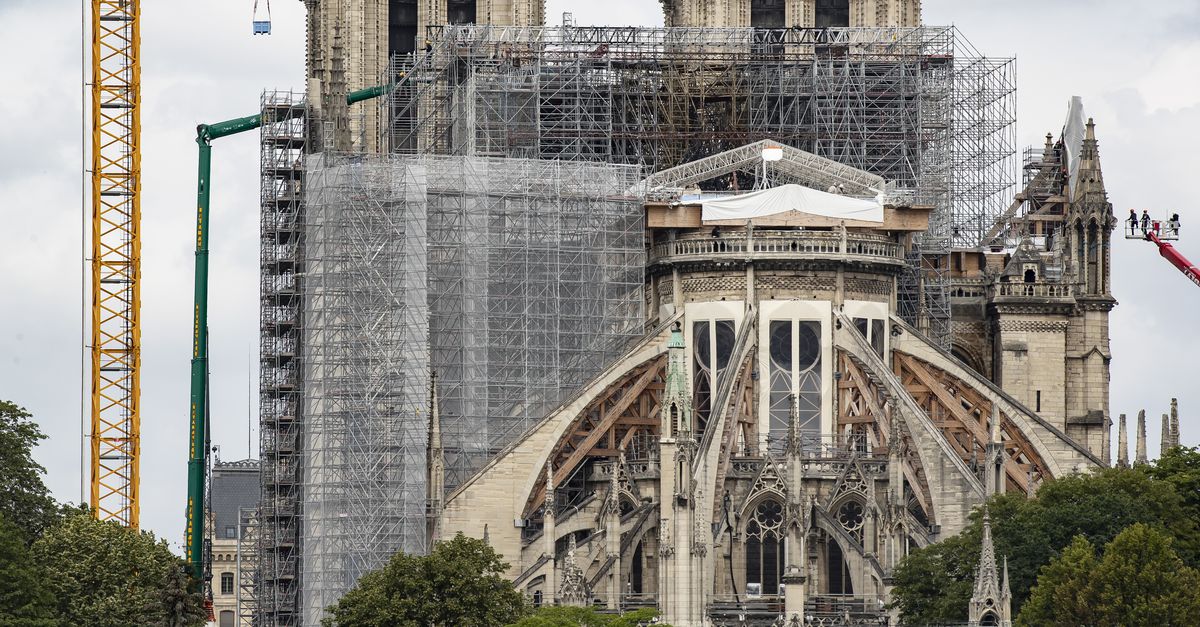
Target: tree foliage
24 599
934 583
1140 580
100 573
1180 466
551 616
459 583
1061 597
24 499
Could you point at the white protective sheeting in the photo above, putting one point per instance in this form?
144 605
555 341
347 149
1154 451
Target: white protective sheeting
1072 137
785 198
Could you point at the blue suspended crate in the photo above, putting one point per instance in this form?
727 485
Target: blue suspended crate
262 27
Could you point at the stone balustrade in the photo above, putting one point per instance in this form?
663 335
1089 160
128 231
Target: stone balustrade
779 245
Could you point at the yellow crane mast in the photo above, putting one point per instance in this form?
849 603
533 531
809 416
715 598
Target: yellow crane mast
116 260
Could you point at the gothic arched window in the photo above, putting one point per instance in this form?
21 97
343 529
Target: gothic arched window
712 348
794 349
765 546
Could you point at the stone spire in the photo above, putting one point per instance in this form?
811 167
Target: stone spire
1005 592
677 398
435 465
1140 457
1091 180
994 454
987 580
991 599
574 589
1174 422
794 444
1164 441
1122 444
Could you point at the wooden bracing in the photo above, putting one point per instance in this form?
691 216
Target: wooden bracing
964 416
608 424
863 411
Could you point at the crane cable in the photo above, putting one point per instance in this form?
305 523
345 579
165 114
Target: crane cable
254 16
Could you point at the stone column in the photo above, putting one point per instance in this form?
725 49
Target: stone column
1122 444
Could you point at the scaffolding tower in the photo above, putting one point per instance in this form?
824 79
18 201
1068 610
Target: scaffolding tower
277 528
516 280
918 106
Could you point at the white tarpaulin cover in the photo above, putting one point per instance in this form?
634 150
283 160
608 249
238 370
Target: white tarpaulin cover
1072 137
775 200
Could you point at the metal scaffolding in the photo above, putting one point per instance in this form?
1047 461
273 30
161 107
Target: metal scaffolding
280 385
919 107
516 280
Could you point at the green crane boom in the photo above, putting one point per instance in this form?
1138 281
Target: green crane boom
198 448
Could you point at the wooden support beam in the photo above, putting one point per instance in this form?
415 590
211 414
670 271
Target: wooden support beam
968 422
567 467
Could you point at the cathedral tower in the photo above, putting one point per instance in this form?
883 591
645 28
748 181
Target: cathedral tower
791 13
1088 242
374 31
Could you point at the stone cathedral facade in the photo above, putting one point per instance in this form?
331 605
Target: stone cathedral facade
780 438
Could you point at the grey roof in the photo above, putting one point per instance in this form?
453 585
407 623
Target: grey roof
234 486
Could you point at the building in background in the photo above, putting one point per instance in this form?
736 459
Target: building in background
233 494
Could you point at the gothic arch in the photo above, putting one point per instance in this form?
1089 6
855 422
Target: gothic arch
967 355
764 543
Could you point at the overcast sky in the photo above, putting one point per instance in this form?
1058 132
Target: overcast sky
1134 63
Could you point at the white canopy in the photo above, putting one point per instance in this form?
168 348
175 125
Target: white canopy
791 198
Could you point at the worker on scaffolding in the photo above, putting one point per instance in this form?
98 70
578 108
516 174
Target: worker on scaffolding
1133 222
1146 221
1173 225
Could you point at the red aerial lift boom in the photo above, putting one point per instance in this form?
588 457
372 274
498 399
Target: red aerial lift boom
1158 231
1179 261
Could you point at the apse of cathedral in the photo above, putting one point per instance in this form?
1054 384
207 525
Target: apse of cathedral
785 432
780 438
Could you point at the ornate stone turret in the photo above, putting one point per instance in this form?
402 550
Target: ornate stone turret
1164 442
991 604
794 579
677 446
574 589
1088 226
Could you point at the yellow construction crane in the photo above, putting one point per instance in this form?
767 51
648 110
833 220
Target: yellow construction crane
116 260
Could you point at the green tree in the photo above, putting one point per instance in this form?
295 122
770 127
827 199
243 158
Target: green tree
1062 597
24 499
552 616
934 583
1180 466
24 599
1140 581
459 583
100 573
